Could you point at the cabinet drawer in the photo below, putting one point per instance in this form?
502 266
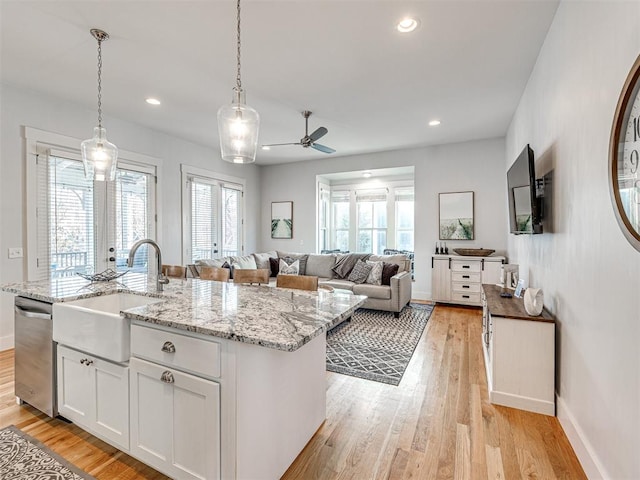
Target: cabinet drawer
466 287
191 354
463 297
465 277
462 266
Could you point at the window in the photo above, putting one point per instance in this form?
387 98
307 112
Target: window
212 216
372 221
340 210
368 220
323 218
404 218
87 227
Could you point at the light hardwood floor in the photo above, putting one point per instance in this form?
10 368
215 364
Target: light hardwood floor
438 423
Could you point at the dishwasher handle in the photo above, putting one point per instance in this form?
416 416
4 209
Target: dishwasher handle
28 314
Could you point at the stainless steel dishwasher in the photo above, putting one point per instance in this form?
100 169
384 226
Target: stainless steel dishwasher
35 355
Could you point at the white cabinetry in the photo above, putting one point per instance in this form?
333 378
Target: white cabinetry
519 353
175 416
94 394
458 279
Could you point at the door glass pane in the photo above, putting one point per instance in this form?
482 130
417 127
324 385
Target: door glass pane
132 217
204 238
231 224
70 215
365 243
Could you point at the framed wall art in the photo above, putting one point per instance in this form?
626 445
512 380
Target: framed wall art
456 216
281 219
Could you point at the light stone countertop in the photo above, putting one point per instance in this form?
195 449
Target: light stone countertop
271 317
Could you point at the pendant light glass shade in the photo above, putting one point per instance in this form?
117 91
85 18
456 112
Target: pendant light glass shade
99 157
238 126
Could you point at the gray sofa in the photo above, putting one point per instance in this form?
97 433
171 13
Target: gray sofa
390 298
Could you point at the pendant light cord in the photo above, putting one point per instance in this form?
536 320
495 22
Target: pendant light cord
238 80
100 83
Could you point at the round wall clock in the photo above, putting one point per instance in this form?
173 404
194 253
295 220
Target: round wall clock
624 158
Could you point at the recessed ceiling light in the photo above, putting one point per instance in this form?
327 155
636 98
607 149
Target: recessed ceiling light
366 174
266 147
407 25
434 123
152 101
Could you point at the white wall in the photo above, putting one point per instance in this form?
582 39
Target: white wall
476 166
589 272
18 108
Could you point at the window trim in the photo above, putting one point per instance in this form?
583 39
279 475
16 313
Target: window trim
40 142
214 178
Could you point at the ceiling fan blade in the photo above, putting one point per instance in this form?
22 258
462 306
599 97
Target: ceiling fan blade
280 144
322 148
319 133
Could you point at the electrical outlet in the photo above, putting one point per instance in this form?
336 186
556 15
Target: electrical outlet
15 253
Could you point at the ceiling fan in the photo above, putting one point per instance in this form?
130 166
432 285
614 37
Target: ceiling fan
308 140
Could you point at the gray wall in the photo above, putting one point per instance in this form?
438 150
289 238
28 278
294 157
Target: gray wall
476 166
18 108
588 271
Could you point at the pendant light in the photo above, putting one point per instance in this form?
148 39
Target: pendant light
238 123
99 156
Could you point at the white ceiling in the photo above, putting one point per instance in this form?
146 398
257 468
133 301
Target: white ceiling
372 87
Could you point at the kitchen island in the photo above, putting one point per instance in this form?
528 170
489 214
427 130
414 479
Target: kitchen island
224 381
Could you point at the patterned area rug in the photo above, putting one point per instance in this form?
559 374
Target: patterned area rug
375 345
25 458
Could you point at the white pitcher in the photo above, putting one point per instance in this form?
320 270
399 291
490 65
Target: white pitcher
533 301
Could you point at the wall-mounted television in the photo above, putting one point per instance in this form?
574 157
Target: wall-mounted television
525 214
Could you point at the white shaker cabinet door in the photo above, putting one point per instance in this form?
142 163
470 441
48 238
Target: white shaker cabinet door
94 394
440 280
75 398
175 421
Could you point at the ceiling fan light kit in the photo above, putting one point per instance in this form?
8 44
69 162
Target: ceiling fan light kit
99 156
238 123
308 140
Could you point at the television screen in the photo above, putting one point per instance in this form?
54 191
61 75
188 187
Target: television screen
521 182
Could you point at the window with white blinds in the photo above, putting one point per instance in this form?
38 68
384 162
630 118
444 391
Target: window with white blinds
340 219
212 215
404 216
369 219
372 220
87 227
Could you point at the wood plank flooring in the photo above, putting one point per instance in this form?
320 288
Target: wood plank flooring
437 424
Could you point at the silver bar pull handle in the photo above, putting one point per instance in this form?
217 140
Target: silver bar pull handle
167 377
169 347
28 314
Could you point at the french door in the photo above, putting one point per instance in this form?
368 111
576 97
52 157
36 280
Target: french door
87 227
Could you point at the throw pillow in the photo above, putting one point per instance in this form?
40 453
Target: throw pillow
345 263
262 259
246 263
297 256
289 269
274 264
388 271
360 272
375 277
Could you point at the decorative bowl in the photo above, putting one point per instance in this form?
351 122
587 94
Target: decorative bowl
474 252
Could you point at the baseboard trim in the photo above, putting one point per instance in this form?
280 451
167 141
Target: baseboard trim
7 342
535 405
581 446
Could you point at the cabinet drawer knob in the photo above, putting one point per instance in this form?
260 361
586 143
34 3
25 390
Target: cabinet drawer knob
82 361
465 276
89 362
466 266
169 347
465 286
465 296
167 377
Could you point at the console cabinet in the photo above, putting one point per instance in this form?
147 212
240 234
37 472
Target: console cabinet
519 353
458 279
